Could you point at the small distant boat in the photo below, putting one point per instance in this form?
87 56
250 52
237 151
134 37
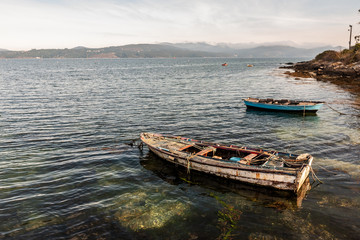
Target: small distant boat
283 105
224 64
250 65
279 170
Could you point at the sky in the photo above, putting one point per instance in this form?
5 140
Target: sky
38 24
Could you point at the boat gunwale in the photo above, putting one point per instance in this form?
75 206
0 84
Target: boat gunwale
235 167
228 165
225 146
249 99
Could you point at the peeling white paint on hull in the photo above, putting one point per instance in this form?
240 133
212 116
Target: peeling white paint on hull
279 178
265 179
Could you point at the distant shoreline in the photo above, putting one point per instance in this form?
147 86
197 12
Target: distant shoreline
168 51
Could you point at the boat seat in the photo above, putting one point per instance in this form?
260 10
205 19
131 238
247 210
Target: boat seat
205 151
250 156
185 147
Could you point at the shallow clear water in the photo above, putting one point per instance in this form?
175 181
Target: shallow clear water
67 171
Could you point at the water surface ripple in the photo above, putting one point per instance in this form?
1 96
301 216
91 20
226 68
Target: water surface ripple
67 171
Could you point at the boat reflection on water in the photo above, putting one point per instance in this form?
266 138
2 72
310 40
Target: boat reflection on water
268 197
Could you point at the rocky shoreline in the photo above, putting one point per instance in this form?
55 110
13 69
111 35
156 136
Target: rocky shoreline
340 68
323 70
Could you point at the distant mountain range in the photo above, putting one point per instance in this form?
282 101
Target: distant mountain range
170 50
268 51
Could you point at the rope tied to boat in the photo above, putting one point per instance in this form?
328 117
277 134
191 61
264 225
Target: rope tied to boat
341 113
188 162
314 175
136 143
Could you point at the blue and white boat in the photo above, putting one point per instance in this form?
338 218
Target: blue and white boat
284 105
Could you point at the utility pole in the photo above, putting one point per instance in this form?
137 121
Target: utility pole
350 36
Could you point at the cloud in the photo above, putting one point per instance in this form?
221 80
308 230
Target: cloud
65 23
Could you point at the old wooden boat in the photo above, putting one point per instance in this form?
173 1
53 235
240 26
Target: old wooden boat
283 105
257 166
268 197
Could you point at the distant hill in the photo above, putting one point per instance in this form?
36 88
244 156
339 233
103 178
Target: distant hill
272 51
127 51
169 50
79 47
280 52
201 46
3 50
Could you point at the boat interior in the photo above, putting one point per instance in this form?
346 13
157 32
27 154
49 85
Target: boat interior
282 101
242 156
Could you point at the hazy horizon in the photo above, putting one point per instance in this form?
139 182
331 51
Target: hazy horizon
45 24
233 45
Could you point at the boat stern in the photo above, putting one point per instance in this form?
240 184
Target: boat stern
304 173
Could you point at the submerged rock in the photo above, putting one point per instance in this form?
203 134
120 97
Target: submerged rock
140 210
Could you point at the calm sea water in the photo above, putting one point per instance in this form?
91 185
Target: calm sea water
67 171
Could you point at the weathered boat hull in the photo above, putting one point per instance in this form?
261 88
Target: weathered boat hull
285 180
284 108
265 196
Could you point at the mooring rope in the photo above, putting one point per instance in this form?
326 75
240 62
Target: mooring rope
188 162
314 175
136 143
341 113
326 169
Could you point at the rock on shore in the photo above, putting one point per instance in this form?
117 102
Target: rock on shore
342 68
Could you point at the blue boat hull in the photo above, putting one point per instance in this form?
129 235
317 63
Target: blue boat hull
284 108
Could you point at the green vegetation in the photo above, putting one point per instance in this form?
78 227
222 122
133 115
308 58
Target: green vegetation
228 219
346 56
